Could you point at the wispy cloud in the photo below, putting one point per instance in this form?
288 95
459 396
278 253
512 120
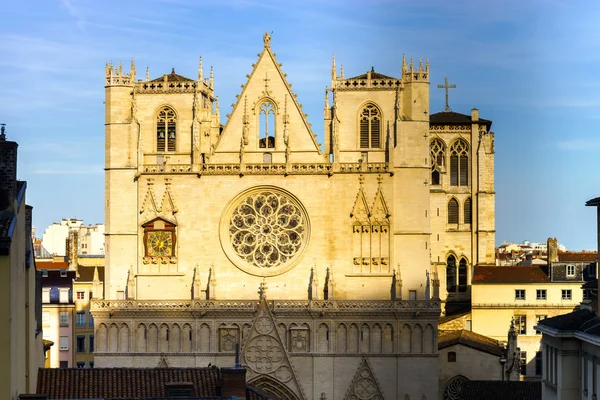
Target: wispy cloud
579 144
74 12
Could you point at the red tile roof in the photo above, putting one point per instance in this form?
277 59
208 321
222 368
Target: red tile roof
577 256
90 383
51 265
508 275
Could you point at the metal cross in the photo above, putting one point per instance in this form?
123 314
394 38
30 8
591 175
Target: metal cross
447 86
266 80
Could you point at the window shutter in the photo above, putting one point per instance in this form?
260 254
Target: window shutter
453 211
468 209
464 171
451 274
375 133
171 137
160 137
454 170
462 276
364 133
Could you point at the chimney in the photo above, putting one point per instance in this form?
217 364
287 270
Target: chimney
8 171
552 250
233 382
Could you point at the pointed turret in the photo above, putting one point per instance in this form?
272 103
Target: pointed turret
196 288
200 71
333 69
330 283
213 283
342 72
96 285
421 64
211 83
435 282
132 70
404 66
147 74
130 284
313 286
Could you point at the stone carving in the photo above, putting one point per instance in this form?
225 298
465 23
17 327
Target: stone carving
267 229
453 388
364 386
228 339
264 352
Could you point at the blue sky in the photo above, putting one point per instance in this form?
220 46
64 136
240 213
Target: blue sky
532 67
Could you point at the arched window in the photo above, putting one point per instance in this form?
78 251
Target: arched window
467 213
453 211
462 275
166 130
437 152
451 274
459 163
267 126
370 127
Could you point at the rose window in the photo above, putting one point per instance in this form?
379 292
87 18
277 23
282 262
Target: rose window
267 230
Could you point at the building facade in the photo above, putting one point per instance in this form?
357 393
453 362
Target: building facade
90 238
21 343
336 238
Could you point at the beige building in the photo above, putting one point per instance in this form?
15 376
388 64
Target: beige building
90 237
89 277
345 240
21 344
526 294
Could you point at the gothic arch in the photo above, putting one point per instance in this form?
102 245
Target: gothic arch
429 339
204 345
266 106
166 129
323 338
102 338
341 338
437 154
365 338
417 339
463 272
124 338
370 126
353 339
453 210
175 339
140 338
388 339
273 386
376 339
459 162
113 338
406 339
152 341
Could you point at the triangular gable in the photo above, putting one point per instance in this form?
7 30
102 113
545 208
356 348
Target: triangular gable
167 206
364 385
360 211
265 354
163 363
267 81
380 211
149 203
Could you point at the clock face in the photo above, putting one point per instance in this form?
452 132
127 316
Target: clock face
160 243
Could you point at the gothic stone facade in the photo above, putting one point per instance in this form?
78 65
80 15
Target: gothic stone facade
337 238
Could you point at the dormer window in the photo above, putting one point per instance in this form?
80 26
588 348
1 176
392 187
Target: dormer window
570 270
370 127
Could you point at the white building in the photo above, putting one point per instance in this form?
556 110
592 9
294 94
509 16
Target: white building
91 237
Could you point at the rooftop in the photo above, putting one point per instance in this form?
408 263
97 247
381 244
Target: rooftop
501 390
148 383
469 339
509 275
454 118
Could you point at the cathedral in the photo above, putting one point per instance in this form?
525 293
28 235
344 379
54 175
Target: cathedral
321 267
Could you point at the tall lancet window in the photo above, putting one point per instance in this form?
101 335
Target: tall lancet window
437 152
459 163
370 127
166 130
267 126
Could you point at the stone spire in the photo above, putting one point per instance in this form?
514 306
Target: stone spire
196 288
435 282
130 284
218 111
404 66
267 40
147 74
342 72
200 71
396 289
213 283
427 286
333 69
330 283
3 132
313 286
212 78
96 284
132 70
